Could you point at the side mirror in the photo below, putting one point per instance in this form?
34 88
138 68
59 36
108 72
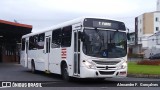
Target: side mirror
128 36
79 35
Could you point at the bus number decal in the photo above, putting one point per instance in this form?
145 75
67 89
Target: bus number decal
63 53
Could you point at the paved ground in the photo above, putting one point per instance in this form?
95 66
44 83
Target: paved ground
15 72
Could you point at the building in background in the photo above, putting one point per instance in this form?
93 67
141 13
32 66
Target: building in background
133 48
10 39
146 27
158 5
154 45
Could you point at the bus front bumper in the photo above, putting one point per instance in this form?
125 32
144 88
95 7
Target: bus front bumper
93 73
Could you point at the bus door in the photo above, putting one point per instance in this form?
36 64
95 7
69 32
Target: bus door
47 51
76 53
26 53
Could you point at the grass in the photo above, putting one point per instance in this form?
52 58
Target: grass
133 68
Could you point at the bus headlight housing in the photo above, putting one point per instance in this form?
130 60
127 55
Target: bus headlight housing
123 66
89 65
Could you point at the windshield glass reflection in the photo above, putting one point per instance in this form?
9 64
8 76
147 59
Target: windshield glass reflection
105 44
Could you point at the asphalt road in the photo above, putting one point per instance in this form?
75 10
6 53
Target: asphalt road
15 72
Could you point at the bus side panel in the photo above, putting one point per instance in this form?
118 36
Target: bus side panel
38 57
69 60
26 53
55 60
22 60
56 57
70 56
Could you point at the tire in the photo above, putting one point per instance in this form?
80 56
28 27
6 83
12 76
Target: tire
33 70
65 74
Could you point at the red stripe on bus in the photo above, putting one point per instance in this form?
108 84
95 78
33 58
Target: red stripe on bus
64 54
63 51
64 57
63 48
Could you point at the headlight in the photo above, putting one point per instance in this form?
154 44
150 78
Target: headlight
123 66
89 65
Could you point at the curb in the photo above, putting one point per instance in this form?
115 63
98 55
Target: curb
143 76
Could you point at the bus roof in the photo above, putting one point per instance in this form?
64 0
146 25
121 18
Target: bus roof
74 21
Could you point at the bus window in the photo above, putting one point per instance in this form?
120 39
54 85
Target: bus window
36 42
33 42
23 44
66 36
56 38
40 42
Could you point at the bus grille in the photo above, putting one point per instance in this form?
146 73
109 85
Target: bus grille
106 62
106 73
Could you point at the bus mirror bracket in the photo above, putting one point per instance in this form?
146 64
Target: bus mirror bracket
81 36
128 35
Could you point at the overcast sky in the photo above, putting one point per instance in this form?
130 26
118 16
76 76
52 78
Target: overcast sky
45 13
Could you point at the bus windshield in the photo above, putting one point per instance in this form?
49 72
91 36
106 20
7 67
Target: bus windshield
104 43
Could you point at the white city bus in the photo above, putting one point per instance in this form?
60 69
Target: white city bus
82 48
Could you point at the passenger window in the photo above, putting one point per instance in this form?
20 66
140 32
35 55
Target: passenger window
56 38
23 44
66 36
33 42
40 42
36 42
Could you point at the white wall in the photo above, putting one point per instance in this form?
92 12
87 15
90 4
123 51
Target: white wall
158 5
145 40
156 23
153 47
154 41
142 38
140 29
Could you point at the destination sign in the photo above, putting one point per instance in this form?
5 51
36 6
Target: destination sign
100 24
103 23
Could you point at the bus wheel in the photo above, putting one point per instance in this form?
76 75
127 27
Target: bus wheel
65 74
33 70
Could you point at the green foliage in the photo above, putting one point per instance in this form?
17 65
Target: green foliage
134 68
149 62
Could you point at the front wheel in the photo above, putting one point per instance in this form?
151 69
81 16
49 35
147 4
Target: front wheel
65 74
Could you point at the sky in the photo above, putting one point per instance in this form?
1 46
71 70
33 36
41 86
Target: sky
45 13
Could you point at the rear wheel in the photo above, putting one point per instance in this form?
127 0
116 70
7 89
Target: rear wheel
65 74
33 70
